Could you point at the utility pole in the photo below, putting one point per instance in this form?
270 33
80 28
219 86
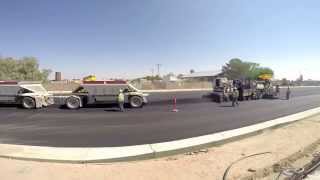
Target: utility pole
152 72
158 68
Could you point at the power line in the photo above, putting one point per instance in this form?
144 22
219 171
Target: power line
158 68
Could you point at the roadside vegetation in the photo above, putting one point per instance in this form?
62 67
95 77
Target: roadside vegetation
27 69
238 69
24 69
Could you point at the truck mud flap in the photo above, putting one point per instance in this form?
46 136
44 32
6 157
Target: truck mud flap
38 101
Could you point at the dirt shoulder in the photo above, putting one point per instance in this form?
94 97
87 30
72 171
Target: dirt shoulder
283 142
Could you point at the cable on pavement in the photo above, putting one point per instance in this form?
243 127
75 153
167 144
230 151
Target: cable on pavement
243 158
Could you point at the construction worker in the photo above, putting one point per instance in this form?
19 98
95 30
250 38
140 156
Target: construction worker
278 90
121 100
288 93
235 97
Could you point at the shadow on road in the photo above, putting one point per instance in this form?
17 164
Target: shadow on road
112 110
225 106
8 105
94 106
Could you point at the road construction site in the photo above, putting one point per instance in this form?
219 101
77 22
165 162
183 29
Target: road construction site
106 127
289 146
194 131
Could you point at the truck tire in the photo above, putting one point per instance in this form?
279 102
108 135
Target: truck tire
28 103
220 98
73 102
258 96
136 102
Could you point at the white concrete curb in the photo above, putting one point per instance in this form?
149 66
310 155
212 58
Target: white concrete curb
126 153
212 138
75 155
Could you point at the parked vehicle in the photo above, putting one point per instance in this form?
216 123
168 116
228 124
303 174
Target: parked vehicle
102 92
29 95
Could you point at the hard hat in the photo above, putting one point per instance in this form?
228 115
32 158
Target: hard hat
120 90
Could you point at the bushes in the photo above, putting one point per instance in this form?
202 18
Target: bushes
26 69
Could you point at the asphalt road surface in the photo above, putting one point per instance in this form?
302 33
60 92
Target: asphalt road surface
106 127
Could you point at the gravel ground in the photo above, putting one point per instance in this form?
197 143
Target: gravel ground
210 163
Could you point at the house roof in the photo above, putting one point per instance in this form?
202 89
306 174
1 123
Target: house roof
203 74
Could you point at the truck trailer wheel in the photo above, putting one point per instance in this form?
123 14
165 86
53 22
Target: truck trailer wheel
218 98
28 103
136 102
73 102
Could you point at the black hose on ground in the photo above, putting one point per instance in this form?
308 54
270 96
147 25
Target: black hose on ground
243 158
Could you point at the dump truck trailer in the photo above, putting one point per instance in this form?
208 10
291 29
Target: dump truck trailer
29 95
101 92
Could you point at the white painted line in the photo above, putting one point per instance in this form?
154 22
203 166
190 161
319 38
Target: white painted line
110 154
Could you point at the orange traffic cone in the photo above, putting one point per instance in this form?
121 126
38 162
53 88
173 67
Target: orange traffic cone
175 105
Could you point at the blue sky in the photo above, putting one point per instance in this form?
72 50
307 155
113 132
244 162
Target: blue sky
125 38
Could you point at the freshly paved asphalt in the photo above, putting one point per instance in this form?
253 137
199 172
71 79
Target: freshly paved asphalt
105 127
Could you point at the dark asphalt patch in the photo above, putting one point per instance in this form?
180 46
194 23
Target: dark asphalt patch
104 127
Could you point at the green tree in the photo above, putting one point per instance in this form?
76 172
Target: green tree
153 78
238 69
26 68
